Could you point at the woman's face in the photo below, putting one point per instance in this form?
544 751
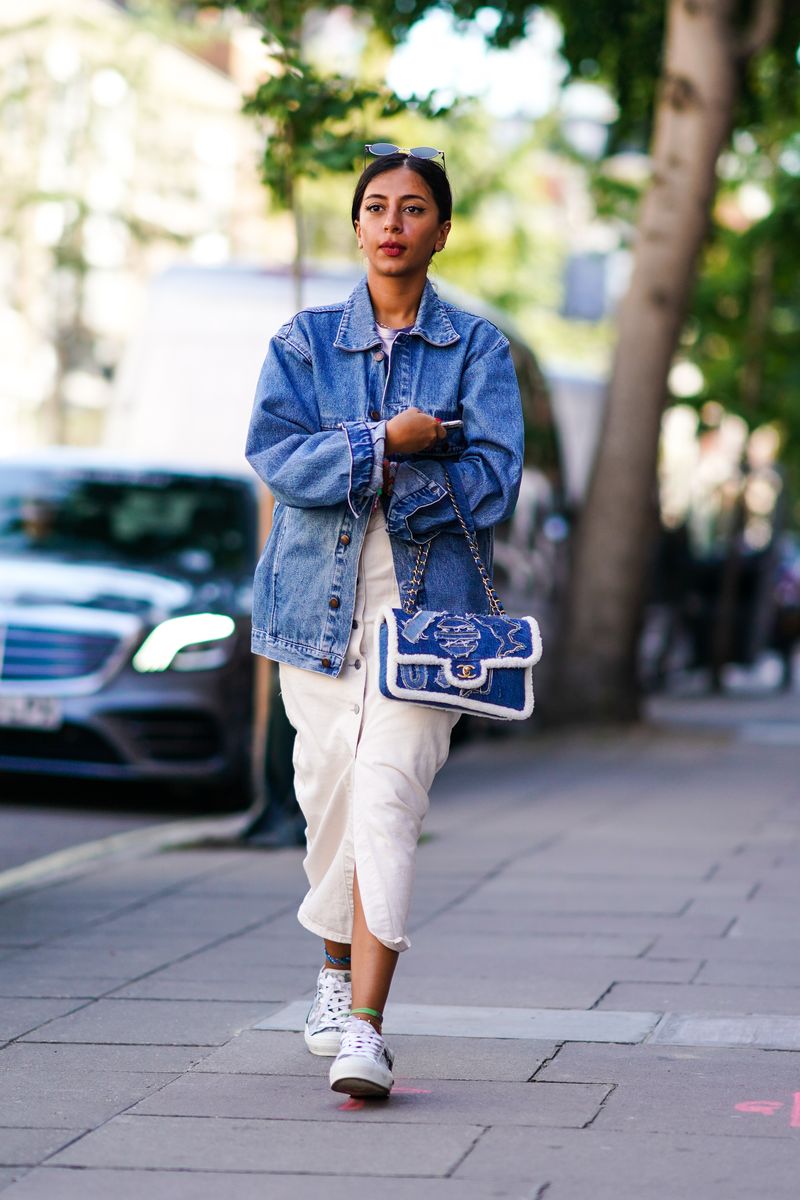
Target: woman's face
399 227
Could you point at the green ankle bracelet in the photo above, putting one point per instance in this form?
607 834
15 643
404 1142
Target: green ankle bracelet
370 1012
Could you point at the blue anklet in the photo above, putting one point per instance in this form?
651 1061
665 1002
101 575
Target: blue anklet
338 962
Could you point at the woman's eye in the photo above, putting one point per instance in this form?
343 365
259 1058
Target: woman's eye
373 208
414 208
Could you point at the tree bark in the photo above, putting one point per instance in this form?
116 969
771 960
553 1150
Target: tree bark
695 104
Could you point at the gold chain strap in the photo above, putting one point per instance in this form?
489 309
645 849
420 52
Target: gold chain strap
409 604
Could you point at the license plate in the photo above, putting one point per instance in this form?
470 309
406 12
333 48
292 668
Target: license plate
30 712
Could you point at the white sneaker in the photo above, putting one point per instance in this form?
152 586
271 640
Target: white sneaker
363 1066
329 1010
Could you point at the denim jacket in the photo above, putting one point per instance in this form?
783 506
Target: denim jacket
316 439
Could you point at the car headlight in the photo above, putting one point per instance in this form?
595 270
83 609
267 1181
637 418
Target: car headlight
185 643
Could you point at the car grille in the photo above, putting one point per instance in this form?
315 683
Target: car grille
34 653
172 735
70 743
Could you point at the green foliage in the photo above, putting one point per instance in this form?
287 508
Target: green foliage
315 120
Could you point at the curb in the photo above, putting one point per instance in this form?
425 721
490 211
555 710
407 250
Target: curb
137 843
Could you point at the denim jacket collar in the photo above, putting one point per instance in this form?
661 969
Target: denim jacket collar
357 326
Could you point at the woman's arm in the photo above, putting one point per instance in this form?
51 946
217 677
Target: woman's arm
487 476
305 466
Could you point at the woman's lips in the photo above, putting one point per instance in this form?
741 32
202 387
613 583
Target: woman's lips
392 249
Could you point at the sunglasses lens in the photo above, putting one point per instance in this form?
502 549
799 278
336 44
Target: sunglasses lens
424 151
383 148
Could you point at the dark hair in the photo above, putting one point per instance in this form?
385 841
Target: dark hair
426 168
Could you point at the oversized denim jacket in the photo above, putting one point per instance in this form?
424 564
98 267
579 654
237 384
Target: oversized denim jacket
316 439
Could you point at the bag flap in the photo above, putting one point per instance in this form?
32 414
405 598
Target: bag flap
465 647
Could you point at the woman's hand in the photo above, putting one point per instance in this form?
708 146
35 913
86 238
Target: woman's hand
413 430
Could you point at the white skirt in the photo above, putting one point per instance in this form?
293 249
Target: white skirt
363 768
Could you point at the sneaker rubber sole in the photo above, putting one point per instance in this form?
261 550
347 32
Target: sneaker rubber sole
361 1078
361 1089
326 1045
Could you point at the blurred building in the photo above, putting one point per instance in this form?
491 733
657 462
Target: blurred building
122 150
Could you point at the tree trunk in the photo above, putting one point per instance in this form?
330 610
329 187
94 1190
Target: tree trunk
697 93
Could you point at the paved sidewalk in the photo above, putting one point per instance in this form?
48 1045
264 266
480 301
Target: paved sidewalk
606 952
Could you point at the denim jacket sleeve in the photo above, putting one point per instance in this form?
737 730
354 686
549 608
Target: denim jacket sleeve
486 478
303 465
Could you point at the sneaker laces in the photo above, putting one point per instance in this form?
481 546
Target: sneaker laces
334 998
360 1037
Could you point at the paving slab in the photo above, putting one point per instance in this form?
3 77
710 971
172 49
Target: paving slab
248 957
508 897
461 1021
64 1058
33 1098
696 1091
97 959
583 1062
766 1029
62 1183
29 982
9 1175
279 1053
478 987
585 924
593 945
417 1100
702 998
195 914
268 991
764 974
505 956
730 949
37 917
21 1016
153 1022
606 1164
311 1147
27 1147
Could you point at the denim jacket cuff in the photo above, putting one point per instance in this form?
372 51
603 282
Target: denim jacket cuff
412 495
378 435
366 461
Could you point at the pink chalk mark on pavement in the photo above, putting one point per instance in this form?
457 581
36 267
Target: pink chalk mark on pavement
767 1108
354 1104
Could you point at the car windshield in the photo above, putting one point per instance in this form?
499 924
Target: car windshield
152 519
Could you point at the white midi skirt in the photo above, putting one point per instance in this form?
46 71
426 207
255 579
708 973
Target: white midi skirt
363 768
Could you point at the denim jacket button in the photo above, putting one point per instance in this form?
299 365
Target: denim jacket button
375 415
333 602
379 356
345 539
326 662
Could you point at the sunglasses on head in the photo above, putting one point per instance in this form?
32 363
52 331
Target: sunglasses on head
380 148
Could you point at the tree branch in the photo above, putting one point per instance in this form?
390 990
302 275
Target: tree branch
760 31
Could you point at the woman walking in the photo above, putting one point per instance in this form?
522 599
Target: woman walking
352 429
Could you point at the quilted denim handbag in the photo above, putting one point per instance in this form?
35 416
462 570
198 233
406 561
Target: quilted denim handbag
477 663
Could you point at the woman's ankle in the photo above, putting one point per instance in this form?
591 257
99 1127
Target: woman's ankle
370 1016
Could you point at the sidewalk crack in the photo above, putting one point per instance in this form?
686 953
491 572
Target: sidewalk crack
546 1061
612 1088
449 1174
603 995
